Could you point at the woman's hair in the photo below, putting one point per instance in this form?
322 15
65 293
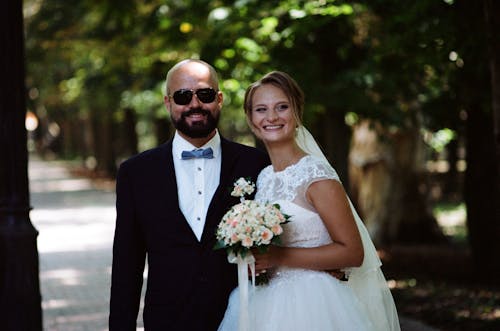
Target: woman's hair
284 82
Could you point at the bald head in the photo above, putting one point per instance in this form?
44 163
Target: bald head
194 68
195 115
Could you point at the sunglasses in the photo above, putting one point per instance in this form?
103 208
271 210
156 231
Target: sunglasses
183 96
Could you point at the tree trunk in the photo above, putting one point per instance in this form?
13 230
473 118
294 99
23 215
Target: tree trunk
481 184
370 166
481 194
385 181
336 136
129 132
163 130
103 143
491 11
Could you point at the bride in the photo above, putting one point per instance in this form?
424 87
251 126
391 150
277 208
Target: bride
325 232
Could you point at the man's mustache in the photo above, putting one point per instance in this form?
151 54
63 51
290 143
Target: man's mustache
195 111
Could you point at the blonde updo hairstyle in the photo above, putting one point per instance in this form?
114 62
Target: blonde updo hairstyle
284 82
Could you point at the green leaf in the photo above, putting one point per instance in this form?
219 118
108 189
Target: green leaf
276 240
219 244
263 248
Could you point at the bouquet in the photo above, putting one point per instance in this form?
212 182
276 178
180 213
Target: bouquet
249 224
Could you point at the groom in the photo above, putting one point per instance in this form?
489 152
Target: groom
169 202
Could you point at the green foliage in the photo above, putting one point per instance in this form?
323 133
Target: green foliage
439 139
393 61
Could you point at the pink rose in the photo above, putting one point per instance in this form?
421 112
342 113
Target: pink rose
247 242
277 229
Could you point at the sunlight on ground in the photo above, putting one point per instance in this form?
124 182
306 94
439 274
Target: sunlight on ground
67 277
76 222
401 284
53 304
60 185
85 228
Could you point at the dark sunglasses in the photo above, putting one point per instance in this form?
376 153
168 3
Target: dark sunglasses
183 96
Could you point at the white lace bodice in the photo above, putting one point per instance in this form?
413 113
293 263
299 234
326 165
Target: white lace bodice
293 181
288 189
294 286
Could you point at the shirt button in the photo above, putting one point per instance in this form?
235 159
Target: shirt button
199 192
199 168
198 219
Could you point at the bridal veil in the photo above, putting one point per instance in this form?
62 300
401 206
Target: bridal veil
367 280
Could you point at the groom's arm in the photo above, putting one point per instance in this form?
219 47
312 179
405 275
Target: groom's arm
128 258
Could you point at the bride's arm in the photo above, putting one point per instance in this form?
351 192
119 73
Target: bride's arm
330 201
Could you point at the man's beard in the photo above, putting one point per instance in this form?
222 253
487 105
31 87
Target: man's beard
198 129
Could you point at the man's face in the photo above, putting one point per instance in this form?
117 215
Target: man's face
198 118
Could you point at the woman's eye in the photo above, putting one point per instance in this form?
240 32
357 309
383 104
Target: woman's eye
259 109
283 107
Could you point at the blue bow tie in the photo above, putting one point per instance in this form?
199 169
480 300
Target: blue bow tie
206 153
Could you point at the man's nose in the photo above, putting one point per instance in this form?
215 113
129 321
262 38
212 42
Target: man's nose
195 102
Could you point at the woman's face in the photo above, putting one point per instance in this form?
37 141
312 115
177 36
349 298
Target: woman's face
272 116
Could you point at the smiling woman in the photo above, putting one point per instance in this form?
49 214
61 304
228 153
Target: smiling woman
325 235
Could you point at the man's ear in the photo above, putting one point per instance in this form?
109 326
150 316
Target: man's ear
220 98
166 101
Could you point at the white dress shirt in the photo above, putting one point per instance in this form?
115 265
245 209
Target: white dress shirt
197 179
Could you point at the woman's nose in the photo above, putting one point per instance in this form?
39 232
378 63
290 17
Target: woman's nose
272 115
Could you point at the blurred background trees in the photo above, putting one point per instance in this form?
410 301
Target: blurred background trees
402 95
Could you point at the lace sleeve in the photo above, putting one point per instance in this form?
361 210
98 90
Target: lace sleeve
292 183
314 170
320 170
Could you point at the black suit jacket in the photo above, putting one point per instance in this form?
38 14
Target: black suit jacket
188 283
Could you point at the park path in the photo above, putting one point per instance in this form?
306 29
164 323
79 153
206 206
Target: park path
75 219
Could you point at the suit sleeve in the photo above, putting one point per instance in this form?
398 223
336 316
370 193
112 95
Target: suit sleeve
129 255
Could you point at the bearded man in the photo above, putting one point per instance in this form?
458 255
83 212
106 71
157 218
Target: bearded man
170 200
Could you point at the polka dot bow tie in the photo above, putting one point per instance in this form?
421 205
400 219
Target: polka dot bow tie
206 153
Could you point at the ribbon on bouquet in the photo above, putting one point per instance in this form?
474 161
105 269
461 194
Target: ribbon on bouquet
243 264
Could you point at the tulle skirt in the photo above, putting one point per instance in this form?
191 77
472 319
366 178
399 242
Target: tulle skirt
297 299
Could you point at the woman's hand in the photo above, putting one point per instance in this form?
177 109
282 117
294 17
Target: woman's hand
266 260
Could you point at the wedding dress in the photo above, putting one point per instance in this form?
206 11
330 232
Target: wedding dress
299 299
